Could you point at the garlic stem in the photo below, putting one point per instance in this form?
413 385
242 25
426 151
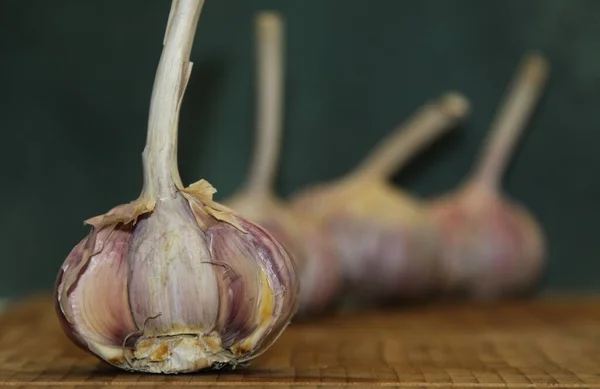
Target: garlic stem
413 135
161 175
517 106
269 75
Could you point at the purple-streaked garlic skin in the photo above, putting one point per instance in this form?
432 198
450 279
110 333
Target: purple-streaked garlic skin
491 247
386 244
179 291
108 273
321 278
386 262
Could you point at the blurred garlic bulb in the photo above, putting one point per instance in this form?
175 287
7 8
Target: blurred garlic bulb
492 246
387 245
310 245
173 281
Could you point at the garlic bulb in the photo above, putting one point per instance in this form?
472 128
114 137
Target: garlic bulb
492 246
173 281
387 245
310 245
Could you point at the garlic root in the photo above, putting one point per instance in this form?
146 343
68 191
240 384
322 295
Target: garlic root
319 270
173 281
492 246
386 243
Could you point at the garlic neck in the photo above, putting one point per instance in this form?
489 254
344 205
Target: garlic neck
161 176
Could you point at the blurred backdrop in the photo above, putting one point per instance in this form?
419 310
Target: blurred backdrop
76 78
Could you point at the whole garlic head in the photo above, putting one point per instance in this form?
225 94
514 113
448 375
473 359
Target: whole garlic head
186 287
173 281
493 246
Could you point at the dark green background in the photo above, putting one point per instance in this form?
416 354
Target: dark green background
76 77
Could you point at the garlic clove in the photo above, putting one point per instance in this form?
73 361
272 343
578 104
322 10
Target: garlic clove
239 282
98 303
170 264
268 296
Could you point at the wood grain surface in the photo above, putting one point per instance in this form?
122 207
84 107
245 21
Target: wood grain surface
554 342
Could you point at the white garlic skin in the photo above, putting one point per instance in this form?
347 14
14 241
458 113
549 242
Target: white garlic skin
179 291
491 247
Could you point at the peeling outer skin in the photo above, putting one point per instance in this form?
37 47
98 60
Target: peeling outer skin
474 260
201 194
125 213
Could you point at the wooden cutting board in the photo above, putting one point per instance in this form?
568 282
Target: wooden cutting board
547 343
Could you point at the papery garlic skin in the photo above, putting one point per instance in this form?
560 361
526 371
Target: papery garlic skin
178 291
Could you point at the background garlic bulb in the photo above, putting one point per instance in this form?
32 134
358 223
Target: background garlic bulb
173 281
492 246
386 244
